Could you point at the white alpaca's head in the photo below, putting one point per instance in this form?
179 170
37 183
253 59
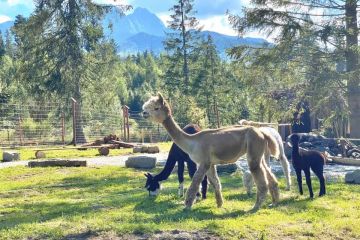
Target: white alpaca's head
156 109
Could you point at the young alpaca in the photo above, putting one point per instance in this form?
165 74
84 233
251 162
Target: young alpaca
304 160
219 146
176 155
282 157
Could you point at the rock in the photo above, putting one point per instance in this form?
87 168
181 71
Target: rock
57 163
353 177
9 156
141 162
227 168
153 149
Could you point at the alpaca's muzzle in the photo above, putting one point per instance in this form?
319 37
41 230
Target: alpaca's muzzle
145 114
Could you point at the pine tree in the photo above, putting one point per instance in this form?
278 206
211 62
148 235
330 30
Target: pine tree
180 46
54 43
2 46
330 22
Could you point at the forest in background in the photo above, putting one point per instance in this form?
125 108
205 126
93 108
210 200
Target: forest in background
60 52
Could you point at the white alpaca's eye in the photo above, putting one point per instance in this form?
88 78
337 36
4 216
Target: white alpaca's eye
157 109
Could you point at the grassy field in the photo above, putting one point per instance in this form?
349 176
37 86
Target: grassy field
57 203
29 153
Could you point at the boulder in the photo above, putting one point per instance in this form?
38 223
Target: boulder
227 168
141 162
353 177
9 156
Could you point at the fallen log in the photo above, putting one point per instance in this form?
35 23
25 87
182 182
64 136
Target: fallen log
346 161
122 144
57 163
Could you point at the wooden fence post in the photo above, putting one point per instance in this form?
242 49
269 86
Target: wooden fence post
126 123
63 128
21 135
74 119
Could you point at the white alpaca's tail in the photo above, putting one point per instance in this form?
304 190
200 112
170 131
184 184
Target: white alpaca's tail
272 144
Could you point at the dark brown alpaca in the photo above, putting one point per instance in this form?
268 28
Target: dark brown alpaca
303 160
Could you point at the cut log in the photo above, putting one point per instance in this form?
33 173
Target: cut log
40 154
104 151
57 163
153 149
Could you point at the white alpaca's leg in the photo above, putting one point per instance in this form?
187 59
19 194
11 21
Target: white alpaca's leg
286 168
248 181
267 156
215 182
181 189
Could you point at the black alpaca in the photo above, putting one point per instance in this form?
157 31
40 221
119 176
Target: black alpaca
176 155
303 160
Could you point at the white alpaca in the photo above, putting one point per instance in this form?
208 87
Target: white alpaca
282 157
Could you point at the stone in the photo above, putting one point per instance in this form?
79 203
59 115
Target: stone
153 149
9 156
57 163
140 162
353 177
227 168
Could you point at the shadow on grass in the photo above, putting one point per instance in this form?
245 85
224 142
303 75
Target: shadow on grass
174 211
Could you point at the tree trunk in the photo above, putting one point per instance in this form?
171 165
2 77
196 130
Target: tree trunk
185 67
352 62
80 136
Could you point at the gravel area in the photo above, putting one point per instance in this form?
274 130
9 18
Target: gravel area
333 172
96 161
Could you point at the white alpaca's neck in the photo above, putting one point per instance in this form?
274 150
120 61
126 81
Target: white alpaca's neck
182 139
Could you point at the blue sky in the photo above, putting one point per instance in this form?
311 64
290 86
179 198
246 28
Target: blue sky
211 13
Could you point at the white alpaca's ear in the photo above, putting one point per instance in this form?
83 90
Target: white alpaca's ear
161 98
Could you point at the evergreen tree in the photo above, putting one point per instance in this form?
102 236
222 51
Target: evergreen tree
180 46
55 41
332 23
2 46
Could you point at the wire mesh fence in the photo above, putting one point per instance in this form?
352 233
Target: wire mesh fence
56 124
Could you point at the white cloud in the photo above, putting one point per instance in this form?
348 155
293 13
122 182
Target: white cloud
115 2
218 23
4 18
18 2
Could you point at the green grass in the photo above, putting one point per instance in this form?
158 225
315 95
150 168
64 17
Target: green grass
54 203
29 153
